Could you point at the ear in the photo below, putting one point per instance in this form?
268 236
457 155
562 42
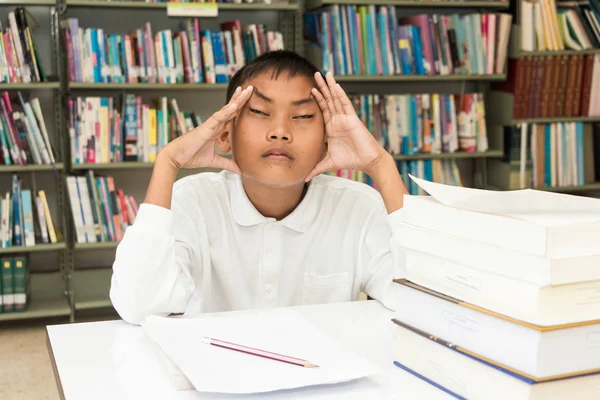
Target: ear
325 149
224 139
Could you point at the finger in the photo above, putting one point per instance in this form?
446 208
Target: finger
322 104
323 166
347 106
226 163
334 95
322 85
228 112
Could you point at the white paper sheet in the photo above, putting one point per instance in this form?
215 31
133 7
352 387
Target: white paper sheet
511 202
213 369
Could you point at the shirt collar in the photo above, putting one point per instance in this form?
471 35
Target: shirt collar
245 214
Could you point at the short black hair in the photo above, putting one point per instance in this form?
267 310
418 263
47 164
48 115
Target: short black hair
276 61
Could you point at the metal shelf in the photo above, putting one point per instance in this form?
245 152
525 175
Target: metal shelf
33 249
111 166
47 298
163 5
312 4
28 2
96 246
92 288
416 78
555 119
449 156
147 86
31 168
30 86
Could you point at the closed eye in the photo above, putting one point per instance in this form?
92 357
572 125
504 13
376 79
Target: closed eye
306 116
255 111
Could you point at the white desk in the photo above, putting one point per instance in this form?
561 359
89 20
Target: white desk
111 360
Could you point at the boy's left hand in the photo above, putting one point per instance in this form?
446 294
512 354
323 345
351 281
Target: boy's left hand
350 145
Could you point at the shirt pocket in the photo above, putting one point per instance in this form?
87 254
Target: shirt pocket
330 288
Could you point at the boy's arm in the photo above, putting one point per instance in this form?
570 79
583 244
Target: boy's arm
350 145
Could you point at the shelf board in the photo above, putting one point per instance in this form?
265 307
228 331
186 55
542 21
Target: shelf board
416 78
312 4
96 246
572 189
42 308
32 249
91 288
30 168
558 52
47 298
28 2
163 5
555 119
147 86
449 156
30 86
120 165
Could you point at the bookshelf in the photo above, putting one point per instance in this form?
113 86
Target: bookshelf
556 70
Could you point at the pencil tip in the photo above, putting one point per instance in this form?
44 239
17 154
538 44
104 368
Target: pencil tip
310 365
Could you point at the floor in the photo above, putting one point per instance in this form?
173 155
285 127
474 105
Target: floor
25 369
26 372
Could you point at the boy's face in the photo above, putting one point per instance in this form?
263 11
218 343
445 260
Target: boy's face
278 137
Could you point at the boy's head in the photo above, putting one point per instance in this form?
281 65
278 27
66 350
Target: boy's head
278 136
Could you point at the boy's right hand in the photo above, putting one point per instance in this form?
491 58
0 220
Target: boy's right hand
196 148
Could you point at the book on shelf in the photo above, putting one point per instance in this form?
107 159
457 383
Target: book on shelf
442 171
429 123
546 155
101 212
374 40
102 132
25 218
512 285
15 289
19 58
188 55
564 25
24 138
552 86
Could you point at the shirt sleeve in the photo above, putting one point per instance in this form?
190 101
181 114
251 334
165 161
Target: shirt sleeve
382 257
152 267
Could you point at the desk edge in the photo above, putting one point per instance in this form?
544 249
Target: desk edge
61 392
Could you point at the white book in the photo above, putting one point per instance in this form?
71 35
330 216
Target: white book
518 299
37 110
534 269
86 206
534 222
78 218
472 379
540 352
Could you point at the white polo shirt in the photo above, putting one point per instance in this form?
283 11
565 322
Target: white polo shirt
213 251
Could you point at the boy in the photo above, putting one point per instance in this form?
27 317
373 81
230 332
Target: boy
268 230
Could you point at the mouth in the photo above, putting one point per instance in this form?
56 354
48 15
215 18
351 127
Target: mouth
277 154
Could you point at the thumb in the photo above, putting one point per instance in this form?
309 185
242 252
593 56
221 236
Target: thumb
226 163
323 166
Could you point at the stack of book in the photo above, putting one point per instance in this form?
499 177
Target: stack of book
546 155
102 132
23 135
25 220
101 211
19 58
191 55
372 40
425 123
15 285
501 293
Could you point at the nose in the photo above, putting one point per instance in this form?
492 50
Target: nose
279 130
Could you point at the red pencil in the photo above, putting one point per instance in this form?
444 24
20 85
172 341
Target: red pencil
258 352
